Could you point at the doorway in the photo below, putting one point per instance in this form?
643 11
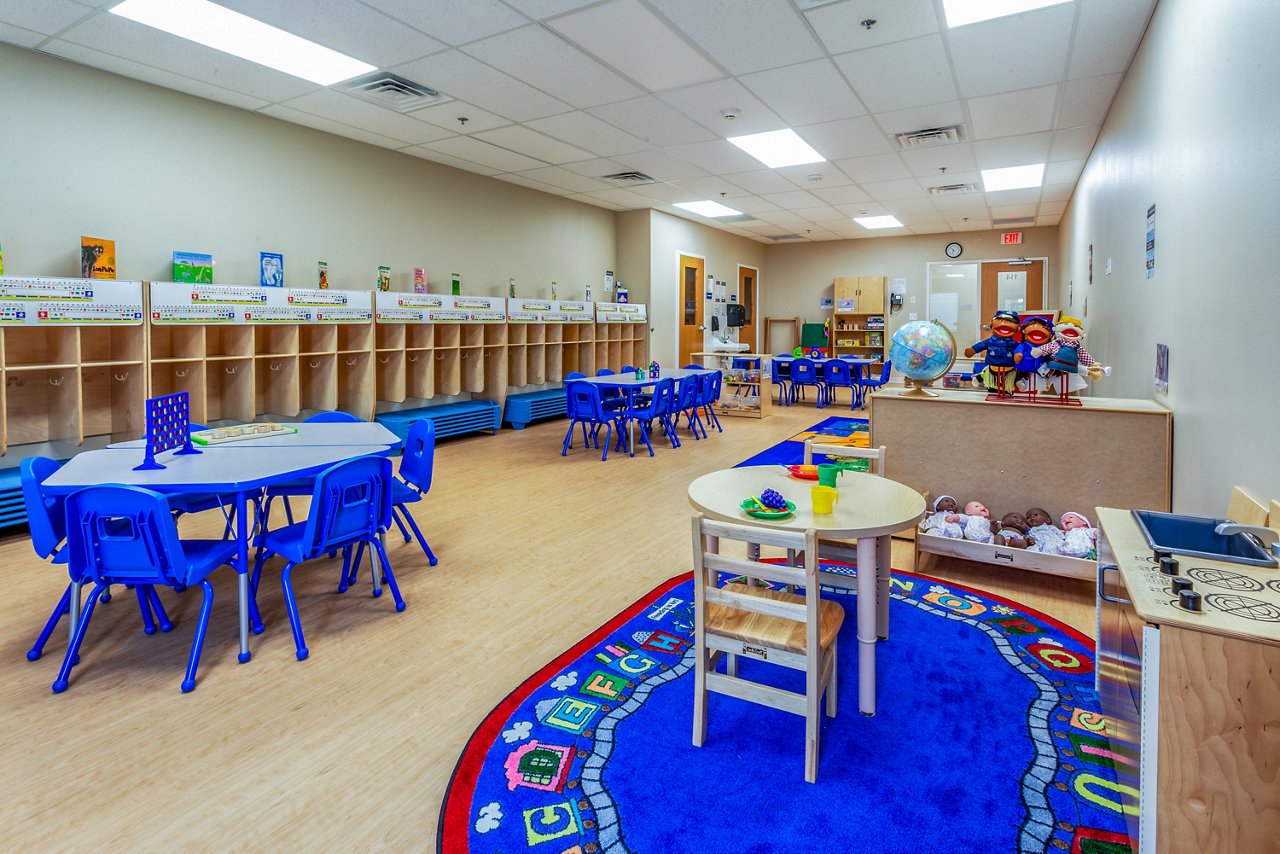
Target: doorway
692 271
1013 285
748 281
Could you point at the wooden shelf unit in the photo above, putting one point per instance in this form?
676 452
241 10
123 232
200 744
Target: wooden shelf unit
743 392
859 299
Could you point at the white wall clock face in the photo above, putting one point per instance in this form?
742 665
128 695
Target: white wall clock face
954 250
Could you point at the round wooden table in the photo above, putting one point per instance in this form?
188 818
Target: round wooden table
870 509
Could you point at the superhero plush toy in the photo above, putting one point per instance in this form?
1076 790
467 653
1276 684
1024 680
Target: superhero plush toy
1066 358
998 374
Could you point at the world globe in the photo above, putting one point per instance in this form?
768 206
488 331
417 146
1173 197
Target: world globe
923 350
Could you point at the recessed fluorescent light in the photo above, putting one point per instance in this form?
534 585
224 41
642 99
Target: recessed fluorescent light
778 148
1013 177
708 208
878 221
961 12
239 35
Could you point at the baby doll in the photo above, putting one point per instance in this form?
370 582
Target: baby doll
976 522
1048 537
936 522
1013 532
1080 538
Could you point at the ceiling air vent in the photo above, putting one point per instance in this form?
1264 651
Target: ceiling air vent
953 189
394 92
929 137
629 179
786 237
1014 220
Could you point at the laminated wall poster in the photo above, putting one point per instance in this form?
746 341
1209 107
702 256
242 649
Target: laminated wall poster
195 267
97 258
271 265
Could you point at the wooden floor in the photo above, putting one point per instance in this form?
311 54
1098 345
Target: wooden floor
352 748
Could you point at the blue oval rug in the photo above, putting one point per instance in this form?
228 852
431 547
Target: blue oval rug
988 737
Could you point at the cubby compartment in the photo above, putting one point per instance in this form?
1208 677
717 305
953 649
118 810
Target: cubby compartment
317 383
537 360
419 369
228 342
448 370
421 335
228 391
34 345
537 333
113 398
354 337
389 336
569 361
554 333
355 384
111 343
517 366
177 342
554 363
172 377
602 355
390 375
448 336
495 372
517 334
495 334
42 405
276 340
275 386
317 338
472 370
472 335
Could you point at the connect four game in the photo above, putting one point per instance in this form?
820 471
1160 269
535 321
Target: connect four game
168 427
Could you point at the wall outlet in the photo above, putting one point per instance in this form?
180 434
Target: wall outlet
913 316
1108 265
913 299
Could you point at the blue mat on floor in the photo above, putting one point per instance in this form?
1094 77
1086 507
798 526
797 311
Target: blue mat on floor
834 431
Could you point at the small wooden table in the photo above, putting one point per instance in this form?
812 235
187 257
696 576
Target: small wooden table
870 508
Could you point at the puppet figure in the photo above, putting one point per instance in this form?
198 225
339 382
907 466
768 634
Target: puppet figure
1066 359
1013 532
1080 538
1048 536
976 522
936 522
1036 332
999 346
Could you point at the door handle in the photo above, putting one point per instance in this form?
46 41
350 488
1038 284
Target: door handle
702 328
1102 569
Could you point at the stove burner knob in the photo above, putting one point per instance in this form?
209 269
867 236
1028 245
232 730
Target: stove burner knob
1189 600
1180 584
1169 565
1159 553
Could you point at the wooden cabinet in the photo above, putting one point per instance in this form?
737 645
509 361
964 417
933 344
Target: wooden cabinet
857 320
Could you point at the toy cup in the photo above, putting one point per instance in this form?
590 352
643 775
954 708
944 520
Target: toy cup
827 474
823 498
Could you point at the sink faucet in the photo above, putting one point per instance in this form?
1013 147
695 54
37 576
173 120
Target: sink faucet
1268 537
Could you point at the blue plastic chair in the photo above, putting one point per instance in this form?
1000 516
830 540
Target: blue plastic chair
47 521
869 385
415 481
350 506
709 395
611 398
587 436
127 535
780 374
804 374
335 417
585 407
200 502
646 415
687 403
839 374
301 487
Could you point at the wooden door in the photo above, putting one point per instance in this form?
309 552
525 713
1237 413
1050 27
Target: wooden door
998 294
870 295
747 284
692 301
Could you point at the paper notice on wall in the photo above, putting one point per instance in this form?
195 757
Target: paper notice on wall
1151 242
945 308
1162 369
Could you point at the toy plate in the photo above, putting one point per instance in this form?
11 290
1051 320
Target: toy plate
750 507
803 472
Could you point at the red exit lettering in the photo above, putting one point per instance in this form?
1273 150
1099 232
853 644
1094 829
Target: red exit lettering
1011 238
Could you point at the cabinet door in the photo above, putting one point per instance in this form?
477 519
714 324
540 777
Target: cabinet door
870 295
846 288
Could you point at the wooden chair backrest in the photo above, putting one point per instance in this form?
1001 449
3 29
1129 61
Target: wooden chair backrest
812 446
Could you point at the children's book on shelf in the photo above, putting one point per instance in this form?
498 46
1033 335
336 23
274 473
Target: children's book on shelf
196 267
322 274
875 339
1 259
419 280
271 265
97 258
384 277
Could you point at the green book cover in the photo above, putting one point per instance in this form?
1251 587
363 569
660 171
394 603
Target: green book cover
196 267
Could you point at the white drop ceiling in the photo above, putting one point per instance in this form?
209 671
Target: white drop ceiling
558 93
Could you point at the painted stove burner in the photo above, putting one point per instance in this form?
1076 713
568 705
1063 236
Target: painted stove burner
1274 585
1244 606
1224 578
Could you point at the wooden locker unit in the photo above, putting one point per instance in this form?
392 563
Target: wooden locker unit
858 317
228 390
518 354
355 383
419 374
318 382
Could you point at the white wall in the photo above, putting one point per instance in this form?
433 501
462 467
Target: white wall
88 153
1194 131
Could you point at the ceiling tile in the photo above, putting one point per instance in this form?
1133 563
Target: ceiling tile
941 180
330 104
1063 171
761 181
446 115
479 151
537 57
1107 33
1017 51
42 16
850 195
448 160
753 205
807 93
539 9
452 22
600 203
1052 208
717 157
1086 101
1048 220
1012 211
1012 150
1056 192
961 203
793 199
298 117
1073 144
1013 113
653 121
887 191
916 206
878 167
586 131
529 142
929 161
660 165
904 74
799 175
651 52
10 34
665 193
919 118
531 183
920 222
745 35
818 214
704 102
461 76
596 168
845 138
347 26
839 25
711 187
626 198
1027 198
137 71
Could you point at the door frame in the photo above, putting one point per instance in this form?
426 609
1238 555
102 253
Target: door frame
679 306
755 303
928 280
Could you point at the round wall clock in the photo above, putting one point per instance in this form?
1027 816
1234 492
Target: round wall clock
954 250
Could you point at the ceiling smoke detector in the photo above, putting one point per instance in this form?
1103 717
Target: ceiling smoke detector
815 178
730 114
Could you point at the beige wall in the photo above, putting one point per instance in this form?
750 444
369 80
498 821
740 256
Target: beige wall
156 171
670 237
1192 132
800 274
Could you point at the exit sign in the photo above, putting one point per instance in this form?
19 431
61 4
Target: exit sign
1011 238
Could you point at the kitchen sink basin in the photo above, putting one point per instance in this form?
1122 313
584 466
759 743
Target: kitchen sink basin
1195 536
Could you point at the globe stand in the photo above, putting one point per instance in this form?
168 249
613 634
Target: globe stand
922 390
920 387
